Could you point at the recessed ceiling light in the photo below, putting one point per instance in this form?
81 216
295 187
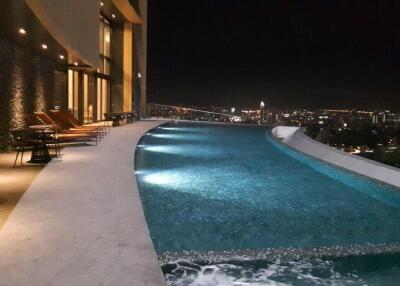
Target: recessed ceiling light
113 15
101 3
75 63
22 31
61 57
44 46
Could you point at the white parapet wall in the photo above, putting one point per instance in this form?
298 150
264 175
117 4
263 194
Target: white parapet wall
284 133
295 138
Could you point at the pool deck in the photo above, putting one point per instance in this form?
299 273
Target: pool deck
81 221
14 181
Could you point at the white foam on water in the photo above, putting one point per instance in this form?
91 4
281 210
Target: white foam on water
277 274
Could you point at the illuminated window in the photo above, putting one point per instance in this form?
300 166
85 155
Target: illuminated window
73 89
105 38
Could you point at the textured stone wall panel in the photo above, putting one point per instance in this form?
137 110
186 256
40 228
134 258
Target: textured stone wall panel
28 83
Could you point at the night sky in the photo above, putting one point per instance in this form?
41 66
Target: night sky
295 54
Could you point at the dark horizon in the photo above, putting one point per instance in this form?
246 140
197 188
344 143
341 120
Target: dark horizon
295 54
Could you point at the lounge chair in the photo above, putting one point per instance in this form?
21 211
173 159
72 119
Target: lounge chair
66 136
66 125
70 121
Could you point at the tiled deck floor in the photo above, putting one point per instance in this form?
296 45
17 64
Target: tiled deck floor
81 222
14 182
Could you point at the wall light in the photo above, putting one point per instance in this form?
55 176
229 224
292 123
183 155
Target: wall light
22 31
75 63
113 15
44 46
61 57
101 3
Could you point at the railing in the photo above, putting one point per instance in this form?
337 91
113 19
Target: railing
155 110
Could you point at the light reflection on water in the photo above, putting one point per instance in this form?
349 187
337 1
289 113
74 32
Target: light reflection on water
177 136
182 149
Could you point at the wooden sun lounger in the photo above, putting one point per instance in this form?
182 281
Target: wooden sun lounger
68 116
72 124
66 126
66 136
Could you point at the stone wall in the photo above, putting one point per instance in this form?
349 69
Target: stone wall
28 83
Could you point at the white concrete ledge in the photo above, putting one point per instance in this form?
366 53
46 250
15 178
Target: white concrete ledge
81 222
295 138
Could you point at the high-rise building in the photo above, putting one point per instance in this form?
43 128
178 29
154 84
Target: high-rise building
375 118
85 56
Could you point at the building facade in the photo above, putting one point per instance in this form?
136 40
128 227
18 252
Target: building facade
87 57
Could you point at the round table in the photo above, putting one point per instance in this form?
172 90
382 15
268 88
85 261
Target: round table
40 152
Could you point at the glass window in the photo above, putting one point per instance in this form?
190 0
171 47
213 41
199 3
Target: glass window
99 116
73 89
106 66
107 40
101 37
70 91
104 37
104 97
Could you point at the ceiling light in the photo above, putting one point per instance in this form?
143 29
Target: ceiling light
61 57
22 31
101 3
44 47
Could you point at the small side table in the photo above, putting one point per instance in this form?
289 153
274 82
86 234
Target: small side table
40 152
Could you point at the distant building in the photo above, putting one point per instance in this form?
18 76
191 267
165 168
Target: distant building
375 118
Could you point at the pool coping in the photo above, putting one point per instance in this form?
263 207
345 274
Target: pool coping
81 221
295 138
278 253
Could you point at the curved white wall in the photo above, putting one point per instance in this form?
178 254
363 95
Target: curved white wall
295 138
73 23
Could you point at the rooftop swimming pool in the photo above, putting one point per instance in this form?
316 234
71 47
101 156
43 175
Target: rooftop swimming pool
208 187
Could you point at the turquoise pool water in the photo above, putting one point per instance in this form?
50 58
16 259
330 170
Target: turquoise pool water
218 187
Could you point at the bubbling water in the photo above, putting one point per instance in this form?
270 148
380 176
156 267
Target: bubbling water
257 273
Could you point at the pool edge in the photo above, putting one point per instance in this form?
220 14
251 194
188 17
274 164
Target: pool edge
295 138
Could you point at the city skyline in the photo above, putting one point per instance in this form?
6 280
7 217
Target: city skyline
296 55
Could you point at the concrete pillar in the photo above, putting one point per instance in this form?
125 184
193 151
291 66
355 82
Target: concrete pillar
127 67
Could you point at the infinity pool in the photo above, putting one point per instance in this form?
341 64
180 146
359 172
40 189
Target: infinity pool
216 187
